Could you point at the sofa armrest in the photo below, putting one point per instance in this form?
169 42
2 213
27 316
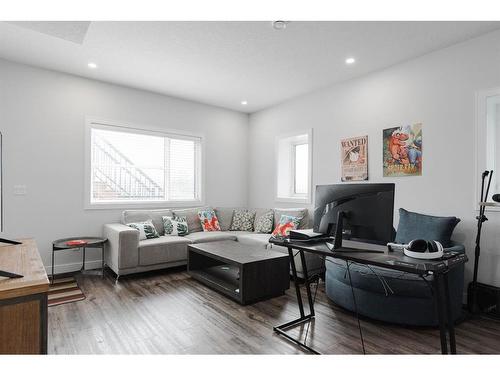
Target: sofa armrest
122 246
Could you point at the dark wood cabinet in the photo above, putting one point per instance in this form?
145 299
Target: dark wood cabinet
23 301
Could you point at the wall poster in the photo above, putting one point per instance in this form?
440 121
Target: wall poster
402 151
354 158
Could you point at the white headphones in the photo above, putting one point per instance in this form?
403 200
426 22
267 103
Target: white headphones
420 249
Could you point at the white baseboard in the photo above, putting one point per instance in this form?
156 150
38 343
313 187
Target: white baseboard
73 267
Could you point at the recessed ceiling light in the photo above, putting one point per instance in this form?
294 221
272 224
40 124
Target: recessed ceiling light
350 60
280 25
92 65
244 102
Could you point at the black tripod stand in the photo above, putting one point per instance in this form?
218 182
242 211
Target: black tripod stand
481 218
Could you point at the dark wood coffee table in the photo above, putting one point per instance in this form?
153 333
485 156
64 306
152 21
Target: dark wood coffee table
244 273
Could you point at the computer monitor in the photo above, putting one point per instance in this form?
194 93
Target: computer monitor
357 212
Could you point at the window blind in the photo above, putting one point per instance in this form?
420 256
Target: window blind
128 166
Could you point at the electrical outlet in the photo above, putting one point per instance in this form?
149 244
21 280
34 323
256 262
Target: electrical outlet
20 190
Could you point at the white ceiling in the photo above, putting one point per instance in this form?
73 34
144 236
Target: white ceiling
223 63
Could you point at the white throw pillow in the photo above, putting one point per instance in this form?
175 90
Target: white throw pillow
146 230
175 225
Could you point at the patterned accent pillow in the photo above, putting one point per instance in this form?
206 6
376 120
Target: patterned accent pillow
243 220
209 221
146 229
175 225
286 224
264 223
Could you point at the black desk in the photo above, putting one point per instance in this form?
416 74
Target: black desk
392 260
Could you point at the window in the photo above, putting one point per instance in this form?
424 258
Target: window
301 167
487 141
131 166
294 168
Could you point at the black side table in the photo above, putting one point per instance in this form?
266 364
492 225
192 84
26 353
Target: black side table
92 242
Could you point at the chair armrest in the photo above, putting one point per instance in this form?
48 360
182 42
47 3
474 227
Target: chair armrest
122 246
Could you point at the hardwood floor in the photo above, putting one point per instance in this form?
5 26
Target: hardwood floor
169 313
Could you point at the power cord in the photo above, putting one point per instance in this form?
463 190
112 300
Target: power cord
355 307
383 281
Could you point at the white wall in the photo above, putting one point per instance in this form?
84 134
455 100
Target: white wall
42 117
43 113
438 90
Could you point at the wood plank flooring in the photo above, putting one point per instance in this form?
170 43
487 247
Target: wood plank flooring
167 312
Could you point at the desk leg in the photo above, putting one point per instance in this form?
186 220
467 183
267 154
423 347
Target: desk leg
295 281
281 329
308 285
451 323
439 303
446 324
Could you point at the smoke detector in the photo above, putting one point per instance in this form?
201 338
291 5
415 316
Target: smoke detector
280 25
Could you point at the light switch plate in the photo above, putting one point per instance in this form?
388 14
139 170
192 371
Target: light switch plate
19 189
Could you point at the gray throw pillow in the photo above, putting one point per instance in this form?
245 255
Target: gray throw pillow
264 223
243 220
225 216
413 225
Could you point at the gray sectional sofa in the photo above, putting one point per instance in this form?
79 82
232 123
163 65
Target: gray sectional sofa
126 254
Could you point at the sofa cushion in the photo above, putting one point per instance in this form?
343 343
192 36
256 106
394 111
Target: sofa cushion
137 216
225 216
413 225
285 225
243 220
301 213
146 229
258 239
192 218
199 237
209 221
163 250
175 225
264 220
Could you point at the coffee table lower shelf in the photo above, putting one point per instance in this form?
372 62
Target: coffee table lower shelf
230 289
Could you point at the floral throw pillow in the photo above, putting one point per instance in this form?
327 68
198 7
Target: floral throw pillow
286 224
264 223
146 229
243 220
175 225
209 221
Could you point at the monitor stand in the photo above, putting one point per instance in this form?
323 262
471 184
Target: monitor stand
10 275
336 245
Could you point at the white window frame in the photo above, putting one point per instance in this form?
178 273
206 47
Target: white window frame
480 135
106 124
292 196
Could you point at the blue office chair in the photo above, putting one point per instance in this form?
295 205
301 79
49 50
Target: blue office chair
395 296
